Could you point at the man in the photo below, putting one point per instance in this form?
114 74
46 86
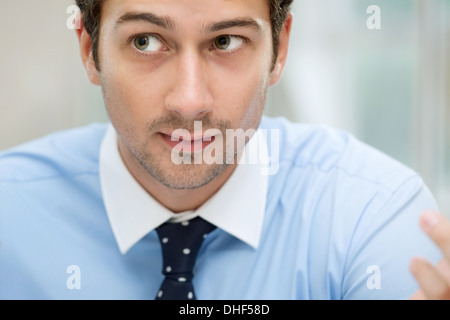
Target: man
319 215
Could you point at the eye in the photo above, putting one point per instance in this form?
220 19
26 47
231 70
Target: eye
227 42
148 43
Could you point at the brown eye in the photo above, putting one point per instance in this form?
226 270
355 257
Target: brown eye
141 42
228 43
222 42
148 43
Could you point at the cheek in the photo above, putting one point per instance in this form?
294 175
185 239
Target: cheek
125 109
128 98
247 89
255 111
131 88
244 100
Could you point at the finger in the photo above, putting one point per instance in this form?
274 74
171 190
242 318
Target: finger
418 295
432 284
443 267
438 229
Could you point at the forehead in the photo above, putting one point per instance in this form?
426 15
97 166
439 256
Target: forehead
188 13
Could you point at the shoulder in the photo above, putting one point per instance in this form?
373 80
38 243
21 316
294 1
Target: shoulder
64 153
329 150
346 203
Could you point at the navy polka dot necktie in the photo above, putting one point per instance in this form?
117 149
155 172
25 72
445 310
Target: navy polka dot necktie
180 243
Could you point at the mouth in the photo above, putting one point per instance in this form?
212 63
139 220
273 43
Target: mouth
186 143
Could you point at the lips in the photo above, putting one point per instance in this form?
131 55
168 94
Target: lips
185 143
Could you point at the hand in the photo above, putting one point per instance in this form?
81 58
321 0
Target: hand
434 281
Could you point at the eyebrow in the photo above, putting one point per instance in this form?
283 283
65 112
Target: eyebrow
241 22
167 23
163 22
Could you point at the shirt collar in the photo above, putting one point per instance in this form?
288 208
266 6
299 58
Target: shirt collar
237 208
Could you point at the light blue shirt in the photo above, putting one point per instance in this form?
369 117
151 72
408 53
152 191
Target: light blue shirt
340 222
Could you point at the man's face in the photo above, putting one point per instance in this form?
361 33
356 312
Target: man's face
165 64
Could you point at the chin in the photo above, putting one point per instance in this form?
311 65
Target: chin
187 176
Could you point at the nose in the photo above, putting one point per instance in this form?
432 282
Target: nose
190 94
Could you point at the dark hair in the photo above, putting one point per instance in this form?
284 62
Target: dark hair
91 11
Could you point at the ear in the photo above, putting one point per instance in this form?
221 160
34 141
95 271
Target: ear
85 42
283 48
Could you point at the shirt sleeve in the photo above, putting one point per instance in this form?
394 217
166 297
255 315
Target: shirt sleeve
385 241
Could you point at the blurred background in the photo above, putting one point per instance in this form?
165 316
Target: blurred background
388 86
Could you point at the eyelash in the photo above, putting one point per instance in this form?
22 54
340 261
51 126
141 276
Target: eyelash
132 39
224 52
228 52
